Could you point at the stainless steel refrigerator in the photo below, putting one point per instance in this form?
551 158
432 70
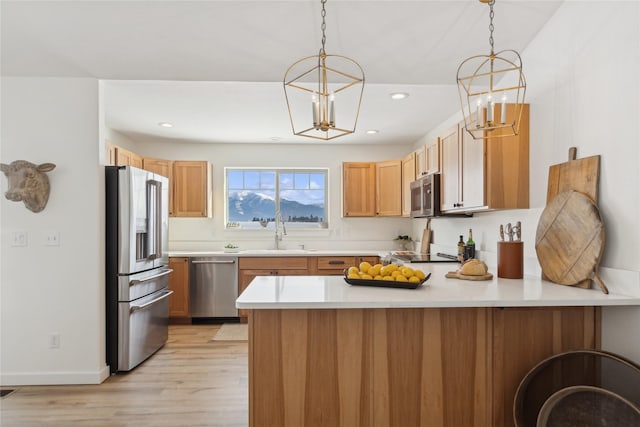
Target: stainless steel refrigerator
137 277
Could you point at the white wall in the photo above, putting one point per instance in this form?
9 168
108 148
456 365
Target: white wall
582 83
53 289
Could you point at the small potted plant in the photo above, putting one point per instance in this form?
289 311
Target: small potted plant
231 247
405 242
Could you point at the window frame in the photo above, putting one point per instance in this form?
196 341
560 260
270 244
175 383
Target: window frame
324 225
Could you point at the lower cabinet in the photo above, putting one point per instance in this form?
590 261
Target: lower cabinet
179 284
403 367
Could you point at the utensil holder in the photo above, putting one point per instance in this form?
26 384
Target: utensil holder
510 260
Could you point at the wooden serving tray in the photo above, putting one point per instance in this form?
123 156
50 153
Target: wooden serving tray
456 275
386 283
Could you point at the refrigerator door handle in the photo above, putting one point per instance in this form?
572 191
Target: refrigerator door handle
154 215
152 277
164 295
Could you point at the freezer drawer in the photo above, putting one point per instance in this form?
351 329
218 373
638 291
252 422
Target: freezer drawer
213 286
143 327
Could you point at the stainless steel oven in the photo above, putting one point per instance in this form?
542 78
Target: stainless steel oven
425 196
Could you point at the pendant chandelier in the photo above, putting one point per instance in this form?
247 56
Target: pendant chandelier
323 93
492 89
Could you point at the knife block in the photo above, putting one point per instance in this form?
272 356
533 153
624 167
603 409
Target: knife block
510 260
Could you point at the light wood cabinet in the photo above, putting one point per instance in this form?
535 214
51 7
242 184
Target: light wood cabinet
444 367
164 168
191 188
421 161
433 157
408 176
125 157
485 174
358 189
110 157
179 284
389 188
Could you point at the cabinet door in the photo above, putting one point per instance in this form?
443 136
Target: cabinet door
389 188
110 154
408 176
179 284
136 160
164 168
472 170
191 188
421 161
433 157
524 336
450 169
358 189
123 157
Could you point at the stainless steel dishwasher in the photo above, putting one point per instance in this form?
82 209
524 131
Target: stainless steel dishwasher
213 286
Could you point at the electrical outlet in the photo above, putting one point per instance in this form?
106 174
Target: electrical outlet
52 238
19 238
54 340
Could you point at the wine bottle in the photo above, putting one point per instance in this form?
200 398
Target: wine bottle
470 247
461 249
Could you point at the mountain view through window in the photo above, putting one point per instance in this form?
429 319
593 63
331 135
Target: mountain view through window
255 196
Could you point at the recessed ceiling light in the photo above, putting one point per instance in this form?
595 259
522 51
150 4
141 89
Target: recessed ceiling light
399 95
372 131
165 125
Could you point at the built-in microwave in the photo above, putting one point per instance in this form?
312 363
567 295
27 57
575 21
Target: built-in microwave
425 196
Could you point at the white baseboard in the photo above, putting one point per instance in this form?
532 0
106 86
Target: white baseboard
54 378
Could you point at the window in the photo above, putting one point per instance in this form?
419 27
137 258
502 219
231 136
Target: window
254 196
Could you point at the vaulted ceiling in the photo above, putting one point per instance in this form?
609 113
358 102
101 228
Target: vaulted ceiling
214 69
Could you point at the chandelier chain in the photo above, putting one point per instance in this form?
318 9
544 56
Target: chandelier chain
491 3
323 27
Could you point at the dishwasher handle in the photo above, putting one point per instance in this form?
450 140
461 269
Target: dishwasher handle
233 261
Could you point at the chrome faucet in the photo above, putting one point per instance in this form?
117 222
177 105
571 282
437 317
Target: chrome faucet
281 230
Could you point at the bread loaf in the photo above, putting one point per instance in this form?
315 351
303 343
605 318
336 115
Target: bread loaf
474 267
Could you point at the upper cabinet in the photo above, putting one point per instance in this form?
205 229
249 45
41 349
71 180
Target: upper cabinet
118 156
358 189
389 188
485 174
372 189
192 188
164 168
408 175
421 161
432 157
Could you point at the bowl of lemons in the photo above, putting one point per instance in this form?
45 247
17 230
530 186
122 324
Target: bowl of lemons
390 275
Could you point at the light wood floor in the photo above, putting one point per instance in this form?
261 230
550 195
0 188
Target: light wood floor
192 381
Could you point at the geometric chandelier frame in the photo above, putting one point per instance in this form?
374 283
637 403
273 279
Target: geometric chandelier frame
492 89
324 82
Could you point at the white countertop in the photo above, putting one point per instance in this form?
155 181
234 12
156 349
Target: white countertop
280 252
290 292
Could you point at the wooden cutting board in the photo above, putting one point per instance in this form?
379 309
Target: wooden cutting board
457 275
580 175
425 247
576 174
570 239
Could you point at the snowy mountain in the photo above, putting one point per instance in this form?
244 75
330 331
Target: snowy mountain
247 206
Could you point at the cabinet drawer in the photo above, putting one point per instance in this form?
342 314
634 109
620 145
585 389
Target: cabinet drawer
334 264
273 263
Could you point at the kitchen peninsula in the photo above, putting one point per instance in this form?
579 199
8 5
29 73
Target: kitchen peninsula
450 353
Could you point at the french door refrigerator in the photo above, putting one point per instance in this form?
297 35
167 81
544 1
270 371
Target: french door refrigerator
137 277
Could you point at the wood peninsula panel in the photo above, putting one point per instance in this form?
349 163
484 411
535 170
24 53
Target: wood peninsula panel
429 367
523 337
309 368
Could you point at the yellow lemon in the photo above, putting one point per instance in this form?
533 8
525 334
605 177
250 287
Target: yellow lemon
401 278
387 278
414 279
378 277
393 267
385 271
366 276
419 274
407 271
395 274
374 271
353 276
364 266
353 270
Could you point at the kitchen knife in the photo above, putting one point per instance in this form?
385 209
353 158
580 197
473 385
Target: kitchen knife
501 232
518 231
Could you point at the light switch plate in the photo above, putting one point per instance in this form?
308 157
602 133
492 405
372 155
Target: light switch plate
19 238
